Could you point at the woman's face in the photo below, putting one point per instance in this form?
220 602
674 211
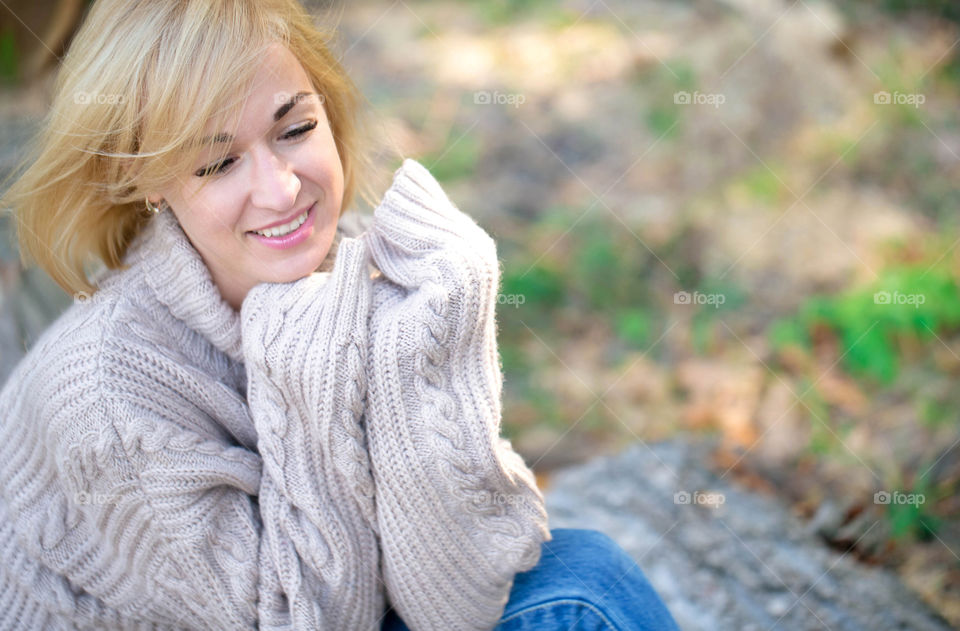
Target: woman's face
282 164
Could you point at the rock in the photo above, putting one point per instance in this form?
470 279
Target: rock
722 557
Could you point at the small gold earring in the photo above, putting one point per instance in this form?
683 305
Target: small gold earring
153 209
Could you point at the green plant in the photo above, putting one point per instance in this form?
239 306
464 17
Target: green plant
910 513
822 441
662 121
935 413
950 70
946 9
659 88
600 268
633 326
763 184
9 58
540 286
875 326
500 12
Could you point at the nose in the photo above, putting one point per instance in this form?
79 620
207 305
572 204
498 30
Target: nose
273 184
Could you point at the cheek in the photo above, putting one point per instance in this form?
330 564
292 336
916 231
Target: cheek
215 219
336 184
325 167
325 158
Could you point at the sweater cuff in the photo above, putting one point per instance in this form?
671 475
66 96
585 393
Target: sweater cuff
272 311
416 215
416 219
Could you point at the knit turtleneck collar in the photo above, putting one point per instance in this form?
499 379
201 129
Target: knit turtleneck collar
182 282
175 271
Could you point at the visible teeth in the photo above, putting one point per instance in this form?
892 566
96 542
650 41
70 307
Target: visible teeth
279 231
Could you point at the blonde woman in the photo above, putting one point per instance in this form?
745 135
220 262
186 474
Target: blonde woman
250 419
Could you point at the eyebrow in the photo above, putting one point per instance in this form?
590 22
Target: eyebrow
280 113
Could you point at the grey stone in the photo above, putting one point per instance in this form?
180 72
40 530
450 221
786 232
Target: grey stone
745 564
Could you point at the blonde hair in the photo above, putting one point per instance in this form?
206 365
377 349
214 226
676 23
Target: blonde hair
138 86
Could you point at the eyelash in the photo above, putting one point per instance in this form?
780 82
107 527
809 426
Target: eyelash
217 169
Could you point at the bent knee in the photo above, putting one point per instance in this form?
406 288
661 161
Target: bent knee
585 569
591 560
584 544
584 538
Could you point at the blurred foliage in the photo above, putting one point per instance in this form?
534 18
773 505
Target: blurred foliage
599 273
941 9
915 520
950 71
822 440
594 270
876 326
947 9
500 12
900 159
9 61
541 286
633 326
935 413
763 183
704 324
457 160
660 84
589 278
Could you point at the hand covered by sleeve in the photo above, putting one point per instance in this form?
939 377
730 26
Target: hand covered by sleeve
459 512
305 346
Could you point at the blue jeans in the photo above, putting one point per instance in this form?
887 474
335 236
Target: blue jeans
584 581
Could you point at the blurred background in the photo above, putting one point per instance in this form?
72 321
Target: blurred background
730 221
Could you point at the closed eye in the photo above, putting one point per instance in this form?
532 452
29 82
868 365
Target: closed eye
215 169
299 131
221 167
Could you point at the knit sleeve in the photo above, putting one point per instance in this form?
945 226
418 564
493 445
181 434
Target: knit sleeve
459 511
305 350
204 536
160 524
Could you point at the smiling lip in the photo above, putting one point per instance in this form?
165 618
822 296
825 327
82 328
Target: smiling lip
295 238
284 221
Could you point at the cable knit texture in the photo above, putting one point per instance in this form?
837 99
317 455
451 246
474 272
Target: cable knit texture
331 449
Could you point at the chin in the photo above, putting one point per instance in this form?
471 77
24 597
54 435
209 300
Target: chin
322 261
288 273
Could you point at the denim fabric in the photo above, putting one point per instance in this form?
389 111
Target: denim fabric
584 581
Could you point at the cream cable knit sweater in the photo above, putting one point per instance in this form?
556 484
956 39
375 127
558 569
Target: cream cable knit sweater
169 463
